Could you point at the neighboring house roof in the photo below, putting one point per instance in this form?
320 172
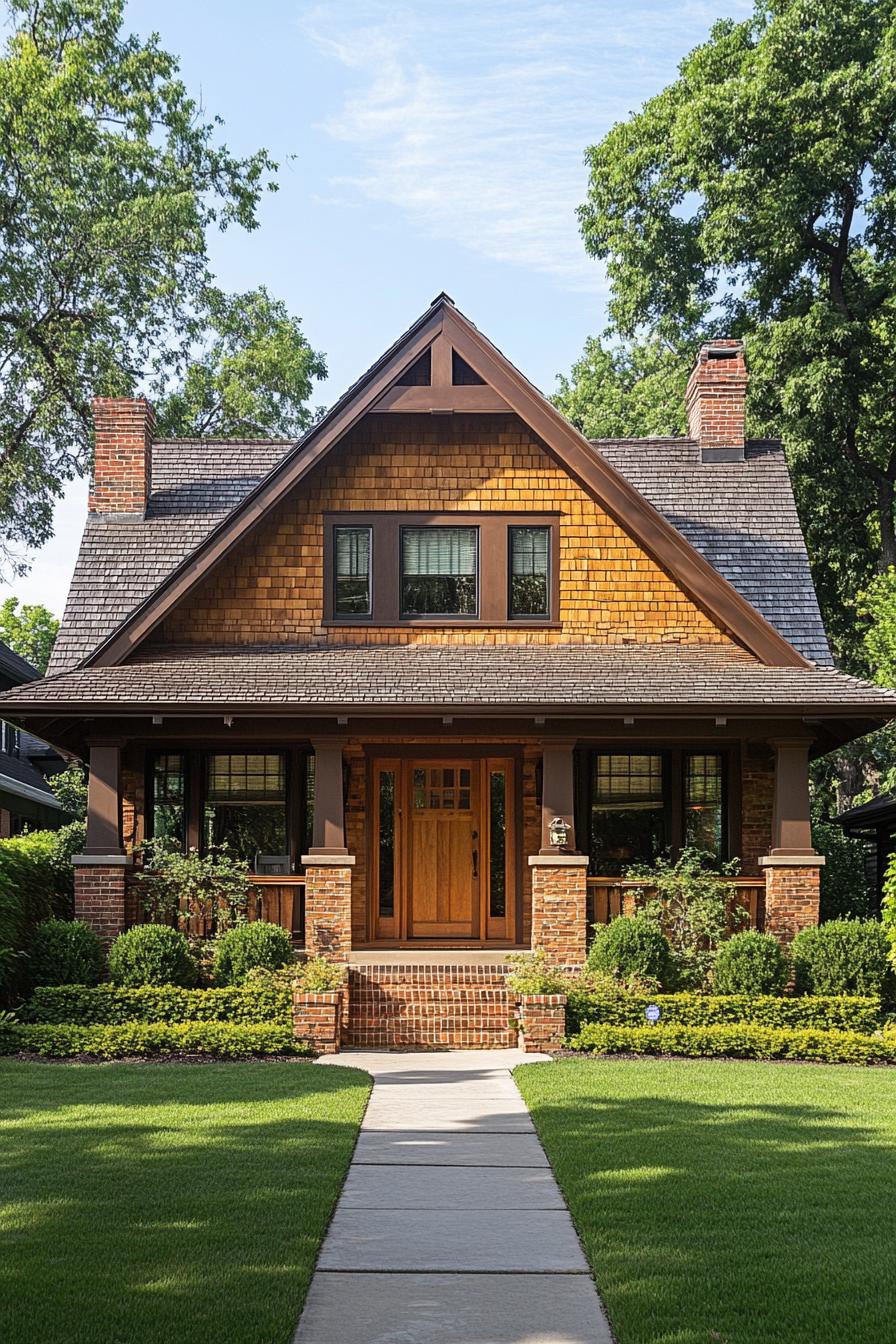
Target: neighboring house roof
878 812
441 323
14 668
742 517
454 676
25 792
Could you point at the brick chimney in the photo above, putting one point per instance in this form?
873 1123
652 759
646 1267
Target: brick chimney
122 463
717 390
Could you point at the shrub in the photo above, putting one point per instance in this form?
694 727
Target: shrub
33 886
110 1006
589 1004
151 954
250 947
631 946
65 952
213 887
225 1039
319 975
750 963
534 974
743 1041
844 956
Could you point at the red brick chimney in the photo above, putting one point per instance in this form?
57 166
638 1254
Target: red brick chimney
122 463
716 395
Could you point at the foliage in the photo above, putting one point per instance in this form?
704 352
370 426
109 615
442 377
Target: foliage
742 1041
627 389
112 180
750 963
877 605
250 947
845 890
225 1039
213 887
253 376
65 952
533 973
593 1004
151 954
29 632
844 956
70 787
694 905
888 908
33 886
108 1005
631 946
319 975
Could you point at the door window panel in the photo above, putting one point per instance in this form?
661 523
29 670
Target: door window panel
386 848
497 844
439 571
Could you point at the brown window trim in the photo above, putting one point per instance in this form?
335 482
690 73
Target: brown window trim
494 587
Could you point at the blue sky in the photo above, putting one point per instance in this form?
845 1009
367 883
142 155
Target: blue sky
434 147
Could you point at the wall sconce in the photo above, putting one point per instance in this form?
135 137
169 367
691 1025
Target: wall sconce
558 830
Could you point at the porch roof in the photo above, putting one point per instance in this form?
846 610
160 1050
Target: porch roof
451 678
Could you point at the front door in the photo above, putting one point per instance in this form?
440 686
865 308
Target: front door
442 850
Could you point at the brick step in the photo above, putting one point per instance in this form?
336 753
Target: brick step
395 1006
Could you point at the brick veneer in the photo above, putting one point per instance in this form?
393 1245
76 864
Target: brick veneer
542 1019
122 459
101 898
328 909
792 899
559 893
317 1019
425 1006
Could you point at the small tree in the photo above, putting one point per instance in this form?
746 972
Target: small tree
693 903
212 887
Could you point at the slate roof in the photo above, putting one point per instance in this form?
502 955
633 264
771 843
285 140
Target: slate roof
741 517
455 676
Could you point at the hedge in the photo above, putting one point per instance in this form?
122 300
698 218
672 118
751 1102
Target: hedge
34 885
746 1041
106 1005
225 1039
841 1013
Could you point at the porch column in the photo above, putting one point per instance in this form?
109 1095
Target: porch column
559 872
328 864
101 870
792 866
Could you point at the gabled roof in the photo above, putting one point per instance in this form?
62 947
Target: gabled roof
14 668
440 324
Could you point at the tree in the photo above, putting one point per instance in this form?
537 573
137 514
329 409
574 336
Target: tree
253 377
110 179
631 389
757 195
30 631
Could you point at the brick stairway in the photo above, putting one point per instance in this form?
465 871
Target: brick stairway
424 1005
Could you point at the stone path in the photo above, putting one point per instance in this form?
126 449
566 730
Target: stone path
451 1228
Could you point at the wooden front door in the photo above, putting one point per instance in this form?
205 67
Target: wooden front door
442 857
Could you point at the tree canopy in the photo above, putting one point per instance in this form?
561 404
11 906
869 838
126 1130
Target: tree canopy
30 631
111 177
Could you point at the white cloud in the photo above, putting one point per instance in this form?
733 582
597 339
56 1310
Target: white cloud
473 118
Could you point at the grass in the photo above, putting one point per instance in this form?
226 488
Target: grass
728 1203
143 1204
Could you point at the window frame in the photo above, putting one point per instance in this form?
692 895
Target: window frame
440 616
493 554
529 617
354 616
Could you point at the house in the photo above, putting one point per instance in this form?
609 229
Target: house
443 669
874 823
27 801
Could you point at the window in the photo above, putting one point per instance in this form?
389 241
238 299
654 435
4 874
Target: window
169 816
530 571
245 804
439 571
497 844
704 802
351 571
628 813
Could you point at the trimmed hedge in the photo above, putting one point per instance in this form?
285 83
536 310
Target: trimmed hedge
106 1005
34 886
746 1041
259 946
844 956
840 1013
151 954
65 952
224 1039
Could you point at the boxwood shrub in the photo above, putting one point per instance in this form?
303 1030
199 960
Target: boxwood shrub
843 956
225 1039
747 1040
750 963
631 947
108 1005
258 946
840 1013
151 954
65 952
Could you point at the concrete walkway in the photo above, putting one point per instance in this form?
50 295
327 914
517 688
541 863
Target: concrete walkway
451 1228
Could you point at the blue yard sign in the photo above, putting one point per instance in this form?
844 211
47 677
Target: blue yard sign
652 1012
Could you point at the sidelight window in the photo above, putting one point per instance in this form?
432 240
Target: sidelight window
167 782
439 571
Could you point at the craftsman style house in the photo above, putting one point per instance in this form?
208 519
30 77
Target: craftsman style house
443 669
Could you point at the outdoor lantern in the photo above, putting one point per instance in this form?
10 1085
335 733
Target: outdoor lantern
557 832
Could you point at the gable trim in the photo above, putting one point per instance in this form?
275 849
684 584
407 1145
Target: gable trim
646 526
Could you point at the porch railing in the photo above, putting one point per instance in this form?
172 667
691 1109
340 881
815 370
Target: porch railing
606 898
278 899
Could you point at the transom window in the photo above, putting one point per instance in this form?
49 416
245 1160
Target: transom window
439 571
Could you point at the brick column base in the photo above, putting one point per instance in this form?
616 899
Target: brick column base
559 892
542 1019
328 906
792 895
101 895
317 1020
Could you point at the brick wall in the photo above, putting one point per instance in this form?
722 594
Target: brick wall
101 898
122 463
542 1019
558 912
757 802
328 911
792 898
317 1020
271 588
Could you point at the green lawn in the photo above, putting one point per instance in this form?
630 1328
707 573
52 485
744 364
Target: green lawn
148 1204
728 1203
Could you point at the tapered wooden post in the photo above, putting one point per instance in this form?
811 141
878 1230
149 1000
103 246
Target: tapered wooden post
100 871
792 866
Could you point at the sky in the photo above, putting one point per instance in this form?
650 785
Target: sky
423 147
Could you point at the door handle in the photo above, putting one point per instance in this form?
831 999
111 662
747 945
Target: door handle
475 862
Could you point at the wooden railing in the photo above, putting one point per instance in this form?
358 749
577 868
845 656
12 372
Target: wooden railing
606 898
278 899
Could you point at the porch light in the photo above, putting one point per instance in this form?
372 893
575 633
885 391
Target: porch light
558 830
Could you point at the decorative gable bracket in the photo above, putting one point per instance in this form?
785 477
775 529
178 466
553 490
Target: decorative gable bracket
441 382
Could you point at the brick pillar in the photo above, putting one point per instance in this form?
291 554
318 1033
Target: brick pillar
328 905
559 892
792 895
100 895
542 1019
317 1020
